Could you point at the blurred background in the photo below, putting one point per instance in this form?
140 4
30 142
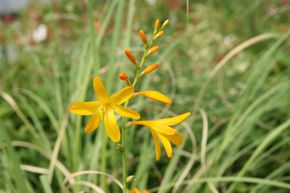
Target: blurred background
227 62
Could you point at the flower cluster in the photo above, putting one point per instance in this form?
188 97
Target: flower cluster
106 106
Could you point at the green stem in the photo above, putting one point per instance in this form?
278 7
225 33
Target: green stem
104 160
124 130
124 161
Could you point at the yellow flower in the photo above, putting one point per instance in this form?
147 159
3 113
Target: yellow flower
161 131
136 190
104 109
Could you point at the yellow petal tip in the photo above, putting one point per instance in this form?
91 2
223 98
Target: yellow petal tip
115 140
187 114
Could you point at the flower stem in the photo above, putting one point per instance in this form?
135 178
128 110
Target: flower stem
124 161
124 129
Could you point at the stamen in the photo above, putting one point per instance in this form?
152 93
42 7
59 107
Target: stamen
101 111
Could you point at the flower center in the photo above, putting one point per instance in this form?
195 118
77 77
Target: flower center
102 110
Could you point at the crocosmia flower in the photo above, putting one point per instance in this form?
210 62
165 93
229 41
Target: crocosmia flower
104 109
162 131
136 190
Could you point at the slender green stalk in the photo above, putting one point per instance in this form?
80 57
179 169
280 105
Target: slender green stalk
124 130
104 159
124 161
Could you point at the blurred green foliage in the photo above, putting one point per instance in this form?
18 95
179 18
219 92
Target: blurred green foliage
246 103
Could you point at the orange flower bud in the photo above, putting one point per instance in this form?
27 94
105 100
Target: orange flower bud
157 24
143 36
158 35
150 68
123 76
130 56
153 50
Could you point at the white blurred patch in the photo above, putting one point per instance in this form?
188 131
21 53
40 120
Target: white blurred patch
242 67
40 34
229 40
152 2
14 6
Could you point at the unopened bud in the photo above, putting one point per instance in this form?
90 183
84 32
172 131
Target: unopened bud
130 56
152 50
164 25
130 179
142 35
158 35
123 76
150 68
157 24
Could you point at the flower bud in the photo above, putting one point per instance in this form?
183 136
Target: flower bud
158 35
152 50
164 25
157 24
130 56
143 37
150 68
123 76
130 179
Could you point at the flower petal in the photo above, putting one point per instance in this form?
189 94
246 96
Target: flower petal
166 144
157 146
176 139
144 123
122 96
126 112
163 129
84 108
154 95
173 120
93 123
111 126
100 90
135 190
156 127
